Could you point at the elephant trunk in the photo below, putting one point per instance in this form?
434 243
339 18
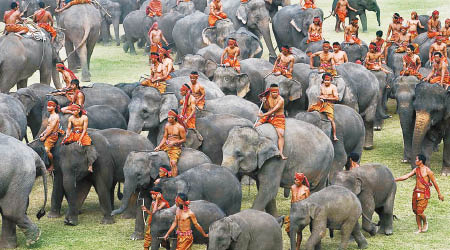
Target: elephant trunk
135 124
128 189
265 32
41 211
420 129
378 11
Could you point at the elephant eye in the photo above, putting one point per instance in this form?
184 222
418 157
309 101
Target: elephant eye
238 154
227 79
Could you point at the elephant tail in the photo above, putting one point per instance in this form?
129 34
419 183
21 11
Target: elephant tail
41 211
83 41
119 194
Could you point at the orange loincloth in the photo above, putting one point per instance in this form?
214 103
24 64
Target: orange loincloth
314 38
234 62
191 122
372 66
414 34
213 19
323 107
16 28
160 86
154 8
278 121
283 70
287 222
184 240
327 68
349 38
432 34
173 152
411 72
75 136
309 4
155 47
48 28
51 140
437 79
419 202
200 103
341 15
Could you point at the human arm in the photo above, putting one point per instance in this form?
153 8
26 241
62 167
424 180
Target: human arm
420 25
309 31
196 225
85 127
433 180
163 38
276 62
350 7
172 227
406 176
430 74
69 127
430 53
311 59
345 57
225 51
80 99
274 109
291 64
388 32
202 96
443 71
48 130
418 63
163 140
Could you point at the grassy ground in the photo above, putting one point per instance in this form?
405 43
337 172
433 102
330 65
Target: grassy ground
109 64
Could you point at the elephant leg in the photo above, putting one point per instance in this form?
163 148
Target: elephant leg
359 237
7 80
314 240
446 155
363 19
131 46
269 178
83 188
72 62
368 143
57 195
340 158
293 232
387 215
69 184
368 207
9 237
103 190
271 208
83 55
116 24
130 212
45 71
22 83
56 80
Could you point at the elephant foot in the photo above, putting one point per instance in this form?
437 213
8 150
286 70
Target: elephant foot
53 214
377 128
405 161
32 234
445 171
362 245
368 147
70 222
385 231
137 236
8 244
107 220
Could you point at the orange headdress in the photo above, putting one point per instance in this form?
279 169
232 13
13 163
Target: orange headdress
300 177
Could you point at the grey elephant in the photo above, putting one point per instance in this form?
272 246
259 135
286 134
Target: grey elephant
185 8
349 130
249 44
205 212
34 117
112 16
247 230
17 182
204 61
33 5
136 25
14 113
290 25
384 81
333 207
361 6
127 6
355 52
254 152
80 21
395 60
364 181
141 169
231 104
212 91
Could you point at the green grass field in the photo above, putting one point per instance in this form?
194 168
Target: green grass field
111 65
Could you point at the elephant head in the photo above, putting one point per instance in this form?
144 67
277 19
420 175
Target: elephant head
148 108
218 33
223 233
315 119
231 82
249 44
193 62
245 150
302 22
306 212
290 89
372 5
355 52
349 180
27 97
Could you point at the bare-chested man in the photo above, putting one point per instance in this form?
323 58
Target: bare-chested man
404 39
174 136
216 13
413 25
44 20
182 221
328 95
439 71
232 53
445 32
379 41
434 25
438 46
155 36
411 63
374 59
274 104
167 62
421 193
393 32
339 56
341 12
309 4
188 104
158 203
327 63
299 191
284 64
71 3
351 32
157 76
352 161
315 30
198 91
52 131
75 96
12 18
66 73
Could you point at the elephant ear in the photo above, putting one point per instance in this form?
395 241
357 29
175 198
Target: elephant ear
241 13
447 106
235 229
358 186
210 68
194 139
168 102
154 171
341 86
209 35
295 92
243 85
266 150
314 210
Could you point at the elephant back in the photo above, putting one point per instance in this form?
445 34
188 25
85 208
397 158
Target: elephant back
212 91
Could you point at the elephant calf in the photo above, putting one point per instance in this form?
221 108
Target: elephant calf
247 230
334 207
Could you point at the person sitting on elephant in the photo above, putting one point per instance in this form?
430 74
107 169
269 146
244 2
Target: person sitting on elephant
155 36
300 191
445 32
157 79
439 71
232 52
154 8
438 46
352 161
351 32
12 18
341 12
284 64
393 32
158 203
309 4
52 131
66 73
315 30
274 104
413 25
71 3
374 59
404 39
421 193
198 91
164 172
174 136
216 13
182 221
411 63
188 107
167 62
339 56
327 63
44 20
75 96
379 41
434 25
328 95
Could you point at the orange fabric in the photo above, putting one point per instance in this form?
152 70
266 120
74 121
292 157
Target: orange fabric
173 152
16 28
437 79
348 38
341 15
234 62
184 242
323 107
48 28
314 38
39 15
287 222
75 136
432 34
8 14
213 19
51 140
283 70
191 122
160 86
419 202
327 68
414 34
278 121
154 8
155 47
148 236
309 4
75 2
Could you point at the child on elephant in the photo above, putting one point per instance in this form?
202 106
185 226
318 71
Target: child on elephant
164 172
439 71
216 13
232 52
158 203
411 63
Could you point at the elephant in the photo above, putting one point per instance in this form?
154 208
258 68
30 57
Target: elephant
115 12
204 61
254 152
192 33
20 166
214 131
136 25
361 6
299 56
14 113
395 60
230 104
205 212
126 7
272 5
34 117
33 5
212 91
424 21
349 130
127 87
385 81
432 107
186 8
355 52
333 207
249 44
247 230
361 92
290 25
81 24
145 165
364 182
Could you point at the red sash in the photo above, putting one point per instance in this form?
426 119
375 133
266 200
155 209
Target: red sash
183 114
410 64
39 15
8 15
427 185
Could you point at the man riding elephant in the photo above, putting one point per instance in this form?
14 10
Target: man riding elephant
198 90
341 12
439 71
327 63
393 32
284 65
374 59
154 8
216 13
309 4
156 79
351 32
51 133
232 52
66 73
71 3
188 107
413 25
434 25
44 20
12 18
315 31
411 63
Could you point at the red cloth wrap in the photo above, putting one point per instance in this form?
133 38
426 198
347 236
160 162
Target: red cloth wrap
72 75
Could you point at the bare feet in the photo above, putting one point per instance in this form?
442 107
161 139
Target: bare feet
90 169
418 231
425 228
283 157
50 169
335 139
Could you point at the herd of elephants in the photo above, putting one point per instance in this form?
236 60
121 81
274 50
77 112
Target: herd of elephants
226 145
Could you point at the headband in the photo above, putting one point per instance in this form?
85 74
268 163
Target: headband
165 170
326 45
372 46
74 107
336 45
300 177
51 104
435 13
184 203
185 87
274 89
154 55
439 38
232 41
355 20
172 113
327 77
285 49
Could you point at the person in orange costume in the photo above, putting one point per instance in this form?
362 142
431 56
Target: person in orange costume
216 13
158 203
351 32
315 30
71 3
232 52
12 18
439 71
434 25
44 20
309 4
154 8
188 110
52 131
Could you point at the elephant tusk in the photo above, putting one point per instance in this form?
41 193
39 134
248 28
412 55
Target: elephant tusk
295 25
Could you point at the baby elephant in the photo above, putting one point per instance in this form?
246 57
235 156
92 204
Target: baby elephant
334 207
247 230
